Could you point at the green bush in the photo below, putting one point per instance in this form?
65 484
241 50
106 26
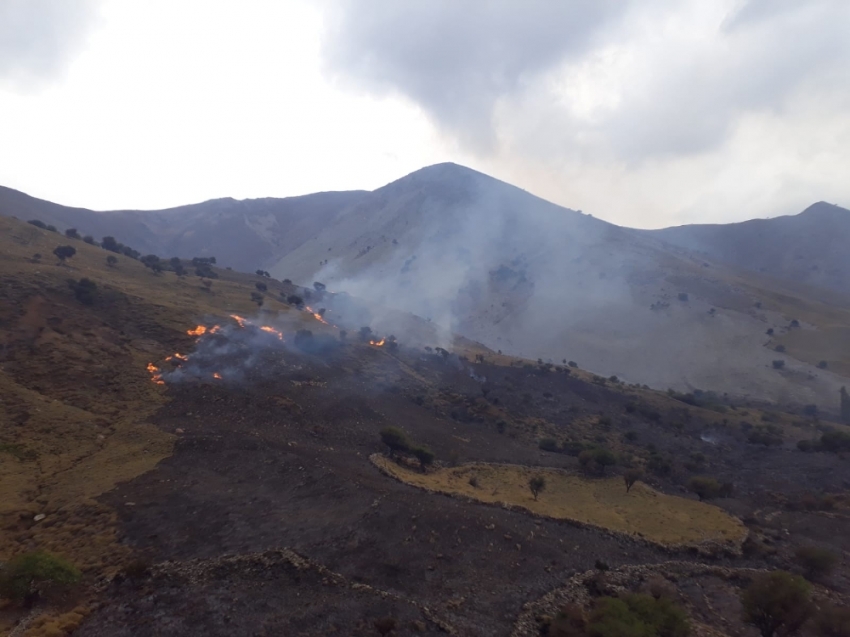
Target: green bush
816 562
424 455
637 615
704 488
395 439
777 602
32 575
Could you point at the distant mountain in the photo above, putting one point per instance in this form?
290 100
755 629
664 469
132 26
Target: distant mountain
812 247
687 308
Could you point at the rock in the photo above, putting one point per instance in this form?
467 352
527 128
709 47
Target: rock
178 430
39 517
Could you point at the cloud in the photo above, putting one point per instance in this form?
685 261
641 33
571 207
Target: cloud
39 37
456 59
596 81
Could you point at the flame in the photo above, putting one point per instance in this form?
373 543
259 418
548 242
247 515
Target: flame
271 330
316 315
378 343
156 376
241 321
179 357
217 376
214 329
198 331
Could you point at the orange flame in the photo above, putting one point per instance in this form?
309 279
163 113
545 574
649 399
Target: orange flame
179 357
271 330
241 321
198 331
214 329
378 343
217 376
316 315
156 376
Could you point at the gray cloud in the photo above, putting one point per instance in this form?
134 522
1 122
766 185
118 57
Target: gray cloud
601 80
458 59
39 37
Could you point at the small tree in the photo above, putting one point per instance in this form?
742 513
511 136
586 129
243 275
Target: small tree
257 298
630 477
109 243
89 239
816 562
604 458
424 455
395 439
111 260
64 252
704 488
537 484
777 601
32 575
72 233
294 299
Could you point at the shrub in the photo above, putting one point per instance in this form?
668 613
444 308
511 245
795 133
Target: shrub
548 444
473 482
816 562
365 333
89 239
769 435
637 615
38 224
294 299
568 622
769 331
823 365
683 296
704 488
109 243
64 252
72 233
84 290
659 465
810 410
630 477
778 364
835 441
536 484
263 273
320 287
395 439
424 455
257 298
780 349
572 364
832 621
153 262
262 287
111 260
777 602
32 575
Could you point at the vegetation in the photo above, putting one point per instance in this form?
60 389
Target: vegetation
816 562
64 252
85 290
630 477
536 484
594 461
704 488
845 406
30 576
111 261
832 621
424 455
637 615
777 602
72 233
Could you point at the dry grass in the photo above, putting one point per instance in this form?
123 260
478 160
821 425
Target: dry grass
657 517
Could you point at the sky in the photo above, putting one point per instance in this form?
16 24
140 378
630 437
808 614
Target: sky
646 113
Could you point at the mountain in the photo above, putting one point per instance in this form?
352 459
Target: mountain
812 247
479 257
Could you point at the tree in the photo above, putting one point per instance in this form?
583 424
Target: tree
31 575
424 455
816 562
365 333
262 287
111 260
395 439
263 273
777 601
704 488
637 615
537 484
630 477
72 233
845 406
257 298
109 243
604 458
320 287
294 299
38 223
64 252
89 239
153 262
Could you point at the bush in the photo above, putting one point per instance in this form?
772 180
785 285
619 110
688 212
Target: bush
572 364
111 260
780 349
395 439
816 562
568 622
320 287
835 441
549 444
89 239
33 575
294 299
85 290
832 621
109 243
38 224
659 465
637 615
704 488
769 435
257 298
778 364
777 602
424 455
262 287
683 296
536 484
64 252
72 233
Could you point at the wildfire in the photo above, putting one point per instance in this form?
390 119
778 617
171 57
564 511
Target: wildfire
216 375
198 331
241 321
271 330
156 374
378 343
316 315
176 356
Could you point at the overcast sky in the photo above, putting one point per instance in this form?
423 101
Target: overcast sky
645 112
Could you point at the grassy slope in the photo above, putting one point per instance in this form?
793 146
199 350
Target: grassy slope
643 511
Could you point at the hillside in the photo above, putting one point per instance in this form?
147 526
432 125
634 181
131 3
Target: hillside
481 258
211 468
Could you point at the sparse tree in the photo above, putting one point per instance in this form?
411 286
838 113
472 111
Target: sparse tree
537 484
72 233
704 488
111 260
153 262
630 477
777 602
64 252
